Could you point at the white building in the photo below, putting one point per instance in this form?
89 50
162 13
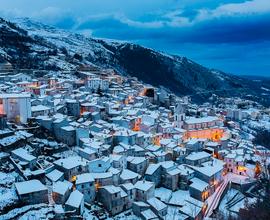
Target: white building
17 107
234 114
96 83
40 110
202 123
179 115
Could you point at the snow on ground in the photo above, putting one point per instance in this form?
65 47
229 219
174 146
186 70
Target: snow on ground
233 201
127 215
265 89
241 204
75 43
239 179
180 197
7 190
262 124
227 199
218 74
8 197
3 53
20 212
54 61
231 193
43 213
173 213
7 178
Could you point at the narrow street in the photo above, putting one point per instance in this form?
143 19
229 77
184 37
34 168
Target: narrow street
214 199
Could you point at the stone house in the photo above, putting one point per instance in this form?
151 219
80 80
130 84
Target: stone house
32 192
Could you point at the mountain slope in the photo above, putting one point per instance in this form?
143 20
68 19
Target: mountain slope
179 74
29 44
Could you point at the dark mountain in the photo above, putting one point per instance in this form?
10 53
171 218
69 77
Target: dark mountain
32 45
179 74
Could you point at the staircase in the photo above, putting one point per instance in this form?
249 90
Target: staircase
216 197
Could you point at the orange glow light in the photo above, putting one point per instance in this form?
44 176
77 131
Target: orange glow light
214 134
242 168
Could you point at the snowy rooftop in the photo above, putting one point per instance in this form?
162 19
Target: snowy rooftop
112 189
22 153
152 168
84 178
14 95
127 186
210 168
71 162
182 197
61 187
199 184
75 199
163 194
30 186
144 185
193 120
148 214
128 174
38 108
102 175
136 160
156 204
198 155
55 175
68 128
87 150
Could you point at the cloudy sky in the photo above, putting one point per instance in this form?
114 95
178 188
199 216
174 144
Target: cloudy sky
232 35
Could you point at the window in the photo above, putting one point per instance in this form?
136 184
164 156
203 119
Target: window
99 165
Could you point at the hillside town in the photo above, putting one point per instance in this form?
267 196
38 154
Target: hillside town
94 144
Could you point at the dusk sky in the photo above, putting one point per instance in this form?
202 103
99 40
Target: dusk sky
232 35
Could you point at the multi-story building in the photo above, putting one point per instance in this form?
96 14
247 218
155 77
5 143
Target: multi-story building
17 107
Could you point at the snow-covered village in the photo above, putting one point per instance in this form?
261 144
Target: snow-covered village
97 145
102 115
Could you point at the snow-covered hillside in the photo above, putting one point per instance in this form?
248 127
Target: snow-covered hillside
31 45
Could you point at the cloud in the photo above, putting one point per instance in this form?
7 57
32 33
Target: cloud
218 30
206 30
11 13
63 18
231 37
235 9
247 7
